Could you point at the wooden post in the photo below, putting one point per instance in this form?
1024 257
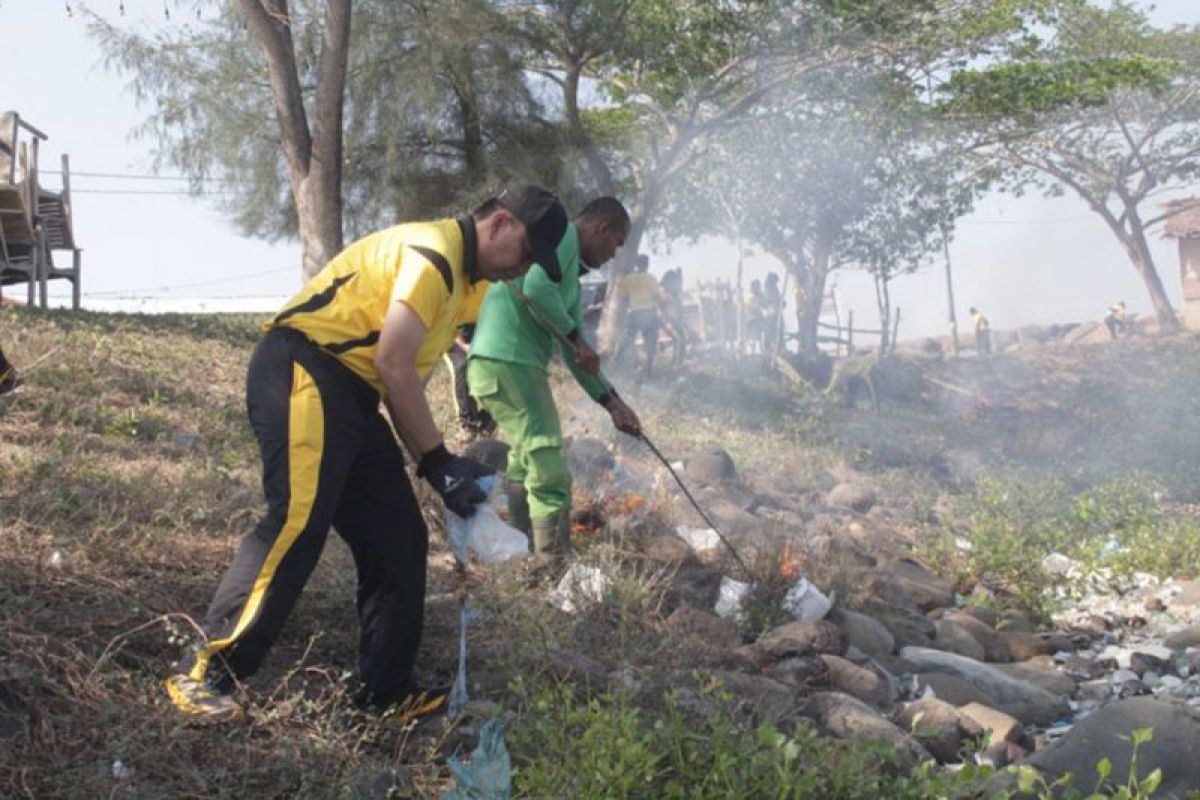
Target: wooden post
850 333
77 287
703 317
950 291
896 329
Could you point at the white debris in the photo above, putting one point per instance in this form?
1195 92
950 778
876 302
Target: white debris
729 599
805 602
582 585
1059 564
56 559
120 771
699 538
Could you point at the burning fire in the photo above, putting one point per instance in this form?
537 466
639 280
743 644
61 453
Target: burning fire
789 564
592 514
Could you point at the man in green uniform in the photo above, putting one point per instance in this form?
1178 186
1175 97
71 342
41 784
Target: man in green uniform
517 334
368 327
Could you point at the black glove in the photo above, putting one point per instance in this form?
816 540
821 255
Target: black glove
454 479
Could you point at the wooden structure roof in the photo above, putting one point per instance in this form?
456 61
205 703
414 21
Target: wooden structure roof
1184 219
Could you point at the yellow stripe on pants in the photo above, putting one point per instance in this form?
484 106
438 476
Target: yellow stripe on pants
306 442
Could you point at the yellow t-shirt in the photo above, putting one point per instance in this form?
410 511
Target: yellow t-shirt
424 265
640 290
981 323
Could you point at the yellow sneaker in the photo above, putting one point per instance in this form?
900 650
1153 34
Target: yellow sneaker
201 701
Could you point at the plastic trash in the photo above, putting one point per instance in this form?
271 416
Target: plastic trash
729 598
699 538
581 585
492 539
489 775
458 693
806 602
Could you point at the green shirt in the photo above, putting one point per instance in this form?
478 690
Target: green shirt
508 331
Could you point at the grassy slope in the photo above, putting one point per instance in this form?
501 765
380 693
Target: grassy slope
127 476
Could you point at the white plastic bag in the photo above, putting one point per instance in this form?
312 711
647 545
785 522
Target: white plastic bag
729 600
492 539
580 586
805 602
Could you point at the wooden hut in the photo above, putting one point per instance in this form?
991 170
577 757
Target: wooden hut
35 222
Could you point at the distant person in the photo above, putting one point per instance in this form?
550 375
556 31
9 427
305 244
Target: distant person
676 326
753 324
1115 320
473 419
10 379
983 331
640 295
367 328
772 313
509 365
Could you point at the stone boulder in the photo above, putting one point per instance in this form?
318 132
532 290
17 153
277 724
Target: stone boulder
954 638
849 718
1040 673
866 633
856 495
925 589
995 649
806 673
1023 646
1030 704
667 549
1108 734
1007 741
860 682
803 638
766 699
938 726
1183 639
710 467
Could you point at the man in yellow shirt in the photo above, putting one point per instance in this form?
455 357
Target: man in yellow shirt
369 326
983 331
640 295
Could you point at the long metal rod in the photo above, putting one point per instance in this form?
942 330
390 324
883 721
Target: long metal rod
703 515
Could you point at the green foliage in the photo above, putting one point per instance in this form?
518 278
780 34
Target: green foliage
694 747
1011 526
1137 787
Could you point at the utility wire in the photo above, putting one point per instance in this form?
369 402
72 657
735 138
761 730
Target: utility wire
128 293
169 193
134 176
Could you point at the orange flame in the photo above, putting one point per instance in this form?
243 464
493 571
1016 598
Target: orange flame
789 565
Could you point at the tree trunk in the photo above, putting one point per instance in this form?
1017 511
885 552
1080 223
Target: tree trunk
808 311
314 157
883 299
1139 252
580 141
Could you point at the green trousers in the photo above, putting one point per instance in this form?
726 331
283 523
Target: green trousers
518 396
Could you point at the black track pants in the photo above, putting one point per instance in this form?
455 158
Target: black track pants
329 458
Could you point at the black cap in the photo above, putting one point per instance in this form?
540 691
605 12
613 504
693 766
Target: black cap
545 222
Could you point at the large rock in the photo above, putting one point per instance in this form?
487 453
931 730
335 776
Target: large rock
857 495
803 638
1188 596
1108 734
908 630
668 548
1007 741
768 699
954 638
939 727
710 467
1031 704
849 718
860 682
1183 639
1039 673
994 647
1023 646
866 633
925 589
954 691
806 673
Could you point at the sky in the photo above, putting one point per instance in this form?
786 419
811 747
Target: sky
149 246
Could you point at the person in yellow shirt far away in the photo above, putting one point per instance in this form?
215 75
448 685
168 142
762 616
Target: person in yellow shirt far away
639 295
983 331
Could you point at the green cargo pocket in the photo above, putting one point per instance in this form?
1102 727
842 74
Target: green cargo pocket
484 386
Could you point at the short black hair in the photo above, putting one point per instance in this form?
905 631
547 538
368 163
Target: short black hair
608 210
